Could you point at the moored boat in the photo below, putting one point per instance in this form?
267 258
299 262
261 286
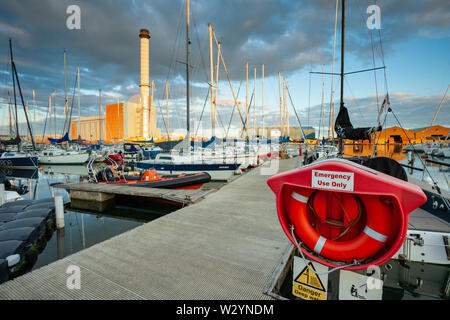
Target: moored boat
58 156
176 164
18 160
150 179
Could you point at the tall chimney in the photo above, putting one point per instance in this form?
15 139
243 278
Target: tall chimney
144 34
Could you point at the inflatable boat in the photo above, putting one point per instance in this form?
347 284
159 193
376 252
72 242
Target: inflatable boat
150 179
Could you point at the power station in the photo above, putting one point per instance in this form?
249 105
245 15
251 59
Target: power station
134 119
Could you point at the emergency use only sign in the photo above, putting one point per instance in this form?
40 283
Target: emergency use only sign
332 180
310 280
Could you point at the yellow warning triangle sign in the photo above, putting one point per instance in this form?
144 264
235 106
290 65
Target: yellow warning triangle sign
309 277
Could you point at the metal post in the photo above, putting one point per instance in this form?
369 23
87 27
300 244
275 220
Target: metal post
2 194
59 211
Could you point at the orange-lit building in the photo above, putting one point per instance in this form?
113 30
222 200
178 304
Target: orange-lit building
395 135
114 123
108 127
433 133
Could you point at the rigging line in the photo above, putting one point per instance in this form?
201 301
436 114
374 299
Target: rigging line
199 46
249 106
437 111
382 58
176 43
201 115
354 98
374 66
231 87
423 164
234 105
23 105
73 99
322 111
332 76
220 120
296 115
309 97
384 123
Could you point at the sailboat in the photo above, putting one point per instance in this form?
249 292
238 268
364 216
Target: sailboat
56 155
187 161
17 159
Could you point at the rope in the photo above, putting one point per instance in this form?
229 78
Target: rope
423 164
334 222
234 106
332 72
201 115
306 264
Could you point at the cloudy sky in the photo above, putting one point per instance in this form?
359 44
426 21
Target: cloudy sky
293 37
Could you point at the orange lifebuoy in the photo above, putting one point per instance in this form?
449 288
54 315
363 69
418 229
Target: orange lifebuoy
363 245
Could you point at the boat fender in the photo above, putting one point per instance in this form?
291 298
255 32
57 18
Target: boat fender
13 260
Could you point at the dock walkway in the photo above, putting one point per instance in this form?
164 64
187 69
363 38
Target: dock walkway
224 247
103 192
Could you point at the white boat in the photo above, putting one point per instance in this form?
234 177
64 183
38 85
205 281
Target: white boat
55 155
12 196
166 163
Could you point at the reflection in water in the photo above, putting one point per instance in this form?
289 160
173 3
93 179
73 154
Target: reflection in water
393 151
415 163
83 228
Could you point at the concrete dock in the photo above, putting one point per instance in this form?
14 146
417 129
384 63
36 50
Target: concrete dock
105 192
224 247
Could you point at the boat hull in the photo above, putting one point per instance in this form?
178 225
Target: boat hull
19 162
221 172
191 181
64 159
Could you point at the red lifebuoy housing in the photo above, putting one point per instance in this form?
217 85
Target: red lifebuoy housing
365 244
343 212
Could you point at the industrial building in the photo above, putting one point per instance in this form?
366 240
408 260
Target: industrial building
134 119
434 133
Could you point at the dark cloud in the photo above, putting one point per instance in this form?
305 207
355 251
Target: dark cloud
285 35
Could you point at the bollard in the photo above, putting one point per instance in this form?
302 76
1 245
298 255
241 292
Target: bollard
2 194
59 210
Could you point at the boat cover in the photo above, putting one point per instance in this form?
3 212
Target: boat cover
61 140
23 224
345 130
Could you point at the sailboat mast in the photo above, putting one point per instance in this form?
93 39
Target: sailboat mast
341 142
281 104
66 100
79 109
14 90
262 102
167 111
254 102
54 110
246 96
188 133
99 137
9 114
211 60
